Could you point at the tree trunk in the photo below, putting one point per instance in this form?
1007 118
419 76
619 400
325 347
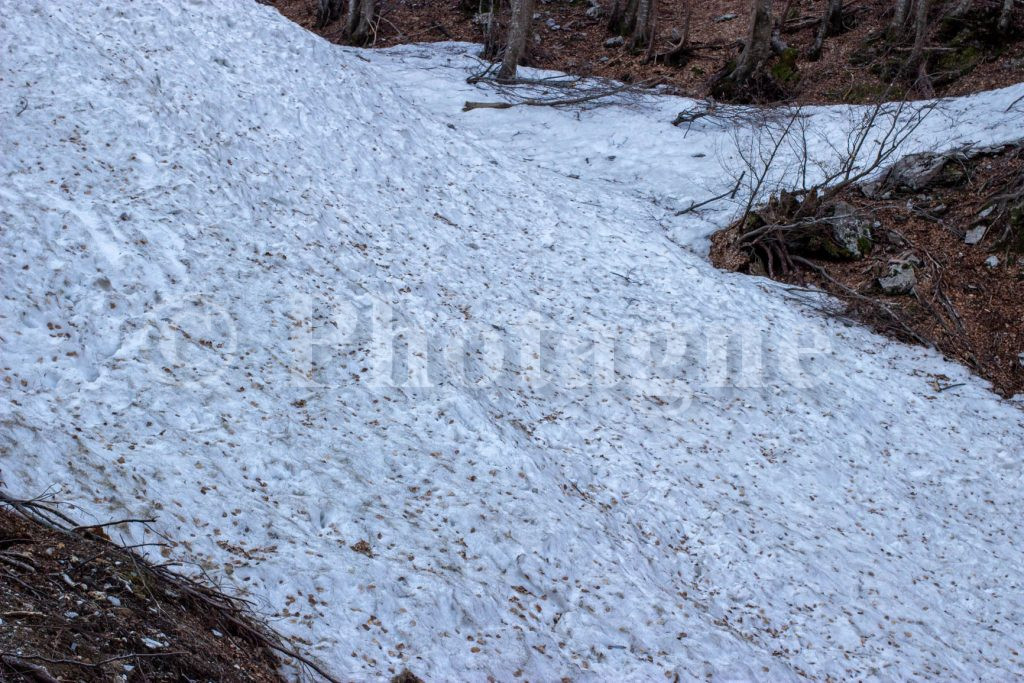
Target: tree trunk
831 24
899 18
623 17
759 42
920 35
327 11
643 24
1004 16
961 8
518 31
359 24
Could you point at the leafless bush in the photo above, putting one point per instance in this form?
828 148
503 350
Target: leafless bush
780 165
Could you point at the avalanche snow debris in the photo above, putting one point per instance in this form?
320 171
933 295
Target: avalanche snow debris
577 435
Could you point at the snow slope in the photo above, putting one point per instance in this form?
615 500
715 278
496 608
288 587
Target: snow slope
593 456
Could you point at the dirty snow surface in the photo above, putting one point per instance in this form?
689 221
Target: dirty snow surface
459 392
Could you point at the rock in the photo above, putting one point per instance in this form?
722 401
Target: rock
552 24
483 18
594 11
615 42
848 235
902 276
992 261
915 172
725 17
976 234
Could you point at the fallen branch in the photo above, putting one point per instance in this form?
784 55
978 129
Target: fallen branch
728 193
847 292
91 527
553 102
34 670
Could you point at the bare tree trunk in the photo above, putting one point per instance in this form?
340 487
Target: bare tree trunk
494 30
1004 16
518 31
920 34
962 8
359 23
759 41
831 24
899 18
327 11
623 16
643 24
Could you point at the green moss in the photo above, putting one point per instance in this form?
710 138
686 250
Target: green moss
785 70
864 244
958 62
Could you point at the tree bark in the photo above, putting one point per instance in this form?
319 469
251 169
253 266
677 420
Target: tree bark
920 35
359 24
327 11
518 31
1004 16
961 8
759 41
643 24
899 18
831 24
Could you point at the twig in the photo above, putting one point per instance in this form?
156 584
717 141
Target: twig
37 672
853 294
90 527
728 193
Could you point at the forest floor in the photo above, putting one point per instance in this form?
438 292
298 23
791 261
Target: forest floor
78 607
565 39
966 301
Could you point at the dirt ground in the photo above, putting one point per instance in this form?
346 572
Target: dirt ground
568 40
76 607
968 300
